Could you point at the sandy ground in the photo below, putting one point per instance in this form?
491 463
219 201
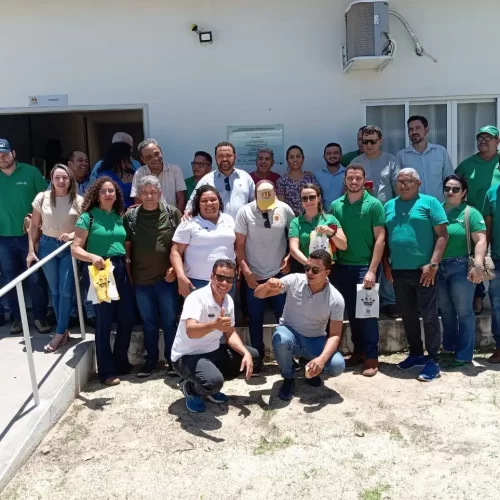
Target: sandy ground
390 437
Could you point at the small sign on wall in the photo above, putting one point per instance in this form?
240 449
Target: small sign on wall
47 101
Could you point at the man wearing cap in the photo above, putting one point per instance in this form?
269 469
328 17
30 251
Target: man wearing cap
331 176
261 248
19 184
264 164
482 171
173 186
118 137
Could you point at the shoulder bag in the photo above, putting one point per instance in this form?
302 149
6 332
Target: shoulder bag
489 266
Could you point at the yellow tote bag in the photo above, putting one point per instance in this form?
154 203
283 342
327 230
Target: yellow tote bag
100 280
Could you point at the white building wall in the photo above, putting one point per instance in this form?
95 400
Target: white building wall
272 61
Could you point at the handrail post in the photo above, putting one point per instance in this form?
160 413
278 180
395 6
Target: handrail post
78 298
27 342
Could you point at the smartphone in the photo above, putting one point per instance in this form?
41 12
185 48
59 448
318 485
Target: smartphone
369 185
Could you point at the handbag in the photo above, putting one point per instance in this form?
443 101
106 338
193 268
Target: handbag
489 266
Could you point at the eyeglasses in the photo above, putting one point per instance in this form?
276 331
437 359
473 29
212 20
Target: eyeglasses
267 222
370 141
200 164
453 189
315 269
107 191
311 197
227 185
406 183
486 138
221 278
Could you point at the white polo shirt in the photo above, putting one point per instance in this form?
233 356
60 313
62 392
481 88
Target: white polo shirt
200 305
206 242
171 180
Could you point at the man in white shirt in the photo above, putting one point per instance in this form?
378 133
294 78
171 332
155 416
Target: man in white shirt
235 186
431 161
170 176
197 353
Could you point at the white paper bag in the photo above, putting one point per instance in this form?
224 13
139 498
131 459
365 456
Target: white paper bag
319 242
367 302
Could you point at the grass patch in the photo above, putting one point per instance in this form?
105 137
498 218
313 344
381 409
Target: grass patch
374 493
270 446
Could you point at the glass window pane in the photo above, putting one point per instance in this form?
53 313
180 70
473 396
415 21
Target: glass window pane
471 117
391 119
437 117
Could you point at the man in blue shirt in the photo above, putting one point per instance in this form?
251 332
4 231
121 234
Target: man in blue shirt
78 163
331 176
431 161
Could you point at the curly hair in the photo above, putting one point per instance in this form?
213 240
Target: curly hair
206 188
91 199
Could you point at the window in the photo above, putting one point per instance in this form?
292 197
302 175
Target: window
453 123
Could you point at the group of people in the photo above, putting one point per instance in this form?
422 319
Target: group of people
408 222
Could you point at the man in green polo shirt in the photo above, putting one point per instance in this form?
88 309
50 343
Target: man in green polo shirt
416 240
481 171
201 165
362 217
19 184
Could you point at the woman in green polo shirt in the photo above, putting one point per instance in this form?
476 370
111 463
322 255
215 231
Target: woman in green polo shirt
100 235
312 219
456 284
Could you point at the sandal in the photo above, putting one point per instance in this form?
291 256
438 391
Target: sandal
65 339
50 349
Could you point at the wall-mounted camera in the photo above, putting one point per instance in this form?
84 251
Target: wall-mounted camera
204 36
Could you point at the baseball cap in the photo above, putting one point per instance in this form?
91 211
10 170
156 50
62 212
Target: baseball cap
489 129
5 146
266 196
123 137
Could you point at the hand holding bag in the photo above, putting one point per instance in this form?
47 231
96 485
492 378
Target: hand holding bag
489 266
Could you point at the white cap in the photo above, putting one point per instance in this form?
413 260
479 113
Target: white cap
123 137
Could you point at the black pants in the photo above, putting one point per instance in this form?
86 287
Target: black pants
412 296
206 373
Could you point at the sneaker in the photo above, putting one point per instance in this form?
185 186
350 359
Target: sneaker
42 326
148 369
390 310
411 361
457 363
16 328
219 398
170 370
430 372
194 403
314 381
286 391
257 369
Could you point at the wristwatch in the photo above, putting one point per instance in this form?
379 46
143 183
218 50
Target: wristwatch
434 266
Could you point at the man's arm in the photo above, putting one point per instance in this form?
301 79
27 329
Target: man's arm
180 199
196 330
378 251
447 166
270 288
234 342
315 367
428 276
242 260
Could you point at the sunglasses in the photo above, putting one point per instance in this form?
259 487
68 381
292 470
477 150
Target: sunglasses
315 269
221 278
227 185
311 197
267 222
370 141
453 189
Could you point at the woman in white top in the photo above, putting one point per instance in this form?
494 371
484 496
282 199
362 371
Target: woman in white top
55 212
200 241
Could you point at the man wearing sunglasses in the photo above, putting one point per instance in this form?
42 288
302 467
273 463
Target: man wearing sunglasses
261 249
201 165
311 301
416 240
198 356
235 186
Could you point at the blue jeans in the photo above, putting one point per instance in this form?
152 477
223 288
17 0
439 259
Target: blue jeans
494 293
59 274
13 253
364 332
158 301
201 283
288 343
113 363
3 282
455 296
256 311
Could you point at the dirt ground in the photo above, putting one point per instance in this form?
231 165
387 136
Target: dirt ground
390 437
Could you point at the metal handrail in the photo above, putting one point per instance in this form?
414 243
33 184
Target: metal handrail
18 284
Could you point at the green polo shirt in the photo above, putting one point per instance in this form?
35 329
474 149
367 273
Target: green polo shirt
300 228
457 238
410 228
107 234
491 208
190 185
17 192
480 175
348 157
358 220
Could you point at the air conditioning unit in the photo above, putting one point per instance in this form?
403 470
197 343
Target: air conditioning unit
368 46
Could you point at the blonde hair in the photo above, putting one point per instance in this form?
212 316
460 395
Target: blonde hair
71 189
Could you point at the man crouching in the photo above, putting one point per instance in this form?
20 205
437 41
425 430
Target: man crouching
310 302
197 354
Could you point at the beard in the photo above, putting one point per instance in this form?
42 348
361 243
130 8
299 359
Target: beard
354 189
416 139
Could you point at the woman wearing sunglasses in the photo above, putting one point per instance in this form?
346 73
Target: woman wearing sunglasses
289 186
313 219
456 284
200 241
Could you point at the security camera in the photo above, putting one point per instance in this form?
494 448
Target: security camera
194 28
